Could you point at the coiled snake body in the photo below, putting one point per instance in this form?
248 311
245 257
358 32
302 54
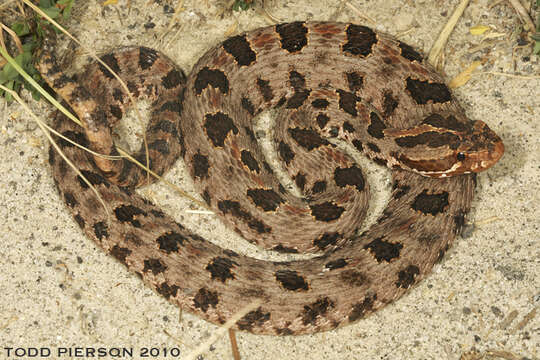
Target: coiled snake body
327 80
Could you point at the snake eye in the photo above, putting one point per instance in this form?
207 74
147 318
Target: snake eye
460 156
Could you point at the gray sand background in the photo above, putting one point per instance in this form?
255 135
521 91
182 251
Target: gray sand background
58 289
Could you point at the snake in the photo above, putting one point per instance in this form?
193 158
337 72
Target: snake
325 83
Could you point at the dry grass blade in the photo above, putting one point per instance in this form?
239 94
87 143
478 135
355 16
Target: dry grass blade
6 4
359 13
234 344
517 76
55 145
95 57
523 14
125 154
222 330
437 48
13 36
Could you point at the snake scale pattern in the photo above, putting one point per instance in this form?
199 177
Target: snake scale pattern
326 81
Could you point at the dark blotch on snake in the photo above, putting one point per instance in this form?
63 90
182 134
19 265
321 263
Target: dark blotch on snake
154 265
170 241
293 36
207 77
383 250
406 277
424 91
360 40
349 176
205 299
290 280
240 49
431 203
220 268
267 199
248 160
218 126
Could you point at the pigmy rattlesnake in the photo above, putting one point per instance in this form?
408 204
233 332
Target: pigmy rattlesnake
327 80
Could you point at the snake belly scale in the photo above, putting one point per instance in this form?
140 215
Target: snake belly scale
325 80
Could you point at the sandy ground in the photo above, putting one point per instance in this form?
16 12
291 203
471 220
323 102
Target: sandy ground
59 290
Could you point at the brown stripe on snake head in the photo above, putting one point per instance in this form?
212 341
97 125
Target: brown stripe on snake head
205 299
424 91
432 139
450 122
428 166
220 268
290 280
360 40
293 36
218 126
147 57
214 77
307 138
350 176
266 199
326 211
407 276
383 250
240 49
376 126
430 203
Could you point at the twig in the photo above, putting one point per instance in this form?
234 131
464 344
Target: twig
221 331
436 50
359 13
523 14
234 344
507 74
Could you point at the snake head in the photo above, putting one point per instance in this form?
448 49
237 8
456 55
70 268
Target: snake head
478 150
443 146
